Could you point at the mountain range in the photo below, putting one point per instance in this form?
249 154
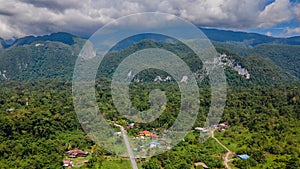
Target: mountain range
54 55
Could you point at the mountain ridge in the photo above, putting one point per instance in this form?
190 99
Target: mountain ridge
247 38
54 55
63 37
56 60
252 39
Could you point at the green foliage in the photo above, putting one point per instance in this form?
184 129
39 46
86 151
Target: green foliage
32 62
37 136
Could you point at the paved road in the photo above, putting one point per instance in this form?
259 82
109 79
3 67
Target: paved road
129 150
227 155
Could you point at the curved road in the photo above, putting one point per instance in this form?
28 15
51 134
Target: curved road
229 153
129 150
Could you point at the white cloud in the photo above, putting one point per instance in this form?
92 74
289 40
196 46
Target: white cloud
275 13
269 34
24 17
296 10
292 31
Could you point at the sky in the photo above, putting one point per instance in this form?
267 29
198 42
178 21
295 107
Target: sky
18 18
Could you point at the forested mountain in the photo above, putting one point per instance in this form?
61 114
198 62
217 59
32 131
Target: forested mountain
285 57
54 56
62 37
39 59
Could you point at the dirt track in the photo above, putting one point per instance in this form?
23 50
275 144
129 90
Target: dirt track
227 155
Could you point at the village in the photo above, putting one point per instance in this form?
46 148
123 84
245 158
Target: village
72 154
153 141
146 143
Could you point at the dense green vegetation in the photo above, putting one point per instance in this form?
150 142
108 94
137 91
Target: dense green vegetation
264 122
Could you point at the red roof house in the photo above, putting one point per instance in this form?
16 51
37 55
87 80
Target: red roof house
76 152
152 135
145 133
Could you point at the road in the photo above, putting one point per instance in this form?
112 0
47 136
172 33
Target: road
129 150
227 155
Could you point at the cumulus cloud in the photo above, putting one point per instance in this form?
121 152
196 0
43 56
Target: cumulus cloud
57 6
292 31
36 17
278 12
296 10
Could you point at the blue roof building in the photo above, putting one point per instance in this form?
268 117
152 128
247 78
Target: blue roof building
243 157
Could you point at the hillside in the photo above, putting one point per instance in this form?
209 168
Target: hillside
285 57
40 59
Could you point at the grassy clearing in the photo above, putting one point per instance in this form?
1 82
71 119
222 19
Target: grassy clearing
117 163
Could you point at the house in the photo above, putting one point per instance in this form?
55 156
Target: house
76 152
118 133
199 128
243 157
223 125
153 144
201 164
162 139
203 130
68 163
141 158
145 133
153 135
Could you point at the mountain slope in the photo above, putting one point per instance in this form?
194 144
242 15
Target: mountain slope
262 71
40 60
287 57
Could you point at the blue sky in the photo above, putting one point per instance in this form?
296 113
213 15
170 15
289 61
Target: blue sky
18 18
280 30
288 28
